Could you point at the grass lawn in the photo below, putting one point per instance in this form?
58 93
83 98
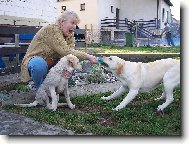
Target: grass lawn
96 116
116 49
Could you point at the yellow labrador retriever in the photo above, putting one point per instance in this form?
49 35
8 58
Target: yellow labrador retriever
56 83
141 77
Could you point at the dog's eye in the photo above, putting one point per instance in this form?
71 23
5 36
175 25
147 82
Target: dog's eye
110 58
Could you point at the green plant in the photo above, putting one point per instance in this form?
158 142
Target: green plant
95 69
21 87
96 78
96 75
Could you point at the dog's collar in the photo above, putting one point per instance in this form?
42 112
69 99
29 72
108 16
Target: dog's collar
67 74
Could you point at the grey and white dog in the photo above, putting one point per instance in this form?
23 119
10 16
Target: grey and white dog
56 83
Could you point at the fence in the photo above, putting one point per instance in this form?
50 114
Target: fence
140 28
125 23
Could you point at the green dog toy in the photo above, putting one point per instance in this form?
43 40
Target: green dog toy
100 60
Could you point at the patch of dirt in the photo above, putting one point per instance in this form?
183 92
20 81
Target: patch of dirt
17 97
8 82
105 118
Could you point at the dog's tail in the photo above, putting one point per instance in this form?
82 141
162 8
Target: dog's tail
33 104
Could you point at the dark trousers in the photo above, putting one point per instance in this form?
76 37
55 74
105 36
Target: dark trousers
169 39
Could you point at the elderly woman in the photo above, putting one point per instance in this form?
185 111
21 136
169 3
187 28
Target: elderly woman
49 44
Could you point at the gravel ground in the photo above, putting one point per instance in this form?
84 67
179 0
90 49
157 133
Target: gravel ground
14 124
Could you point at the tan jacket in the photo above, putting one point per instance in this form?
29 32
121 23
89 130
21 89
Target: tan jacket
49 42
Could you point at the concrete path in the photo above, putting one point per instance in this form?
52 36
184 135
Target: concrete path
14 124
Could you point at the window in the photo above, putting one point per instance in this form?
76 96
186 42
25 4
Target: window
167 16
112 9
163 14
63 8
82 7
60 0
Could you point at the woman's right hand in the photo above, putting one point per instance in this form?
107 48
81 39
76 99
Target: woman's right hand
92 59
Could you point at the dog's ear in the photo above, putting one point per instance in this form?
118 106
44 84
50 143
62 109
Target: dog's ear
119 68
71 61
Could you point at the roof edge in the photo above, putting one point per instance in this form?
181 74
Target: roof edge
168 2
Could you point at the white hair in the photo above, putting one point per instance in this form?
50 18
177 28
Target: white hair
67 15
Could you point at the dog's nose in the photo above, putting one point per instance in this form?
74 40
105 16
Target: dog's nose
103 57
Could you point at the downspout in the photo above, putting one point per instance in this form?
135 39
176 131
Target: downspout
157 14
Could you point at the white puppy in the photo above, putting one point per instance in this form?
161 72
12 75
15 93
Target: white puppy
56 83
142 77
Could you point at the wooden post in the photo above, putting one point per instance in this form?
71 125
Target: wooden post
136 30
92 33
112 35
85 38
17 45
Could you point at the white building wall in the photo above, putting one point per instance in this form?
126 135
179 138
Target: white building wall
166 17
105 8
41 9
138 9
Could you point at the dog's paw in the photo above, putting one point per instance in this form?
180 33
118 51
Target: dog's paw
159 112
119 107
115 109
157 99
104 98
72 106
49 106
160 108
52 109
